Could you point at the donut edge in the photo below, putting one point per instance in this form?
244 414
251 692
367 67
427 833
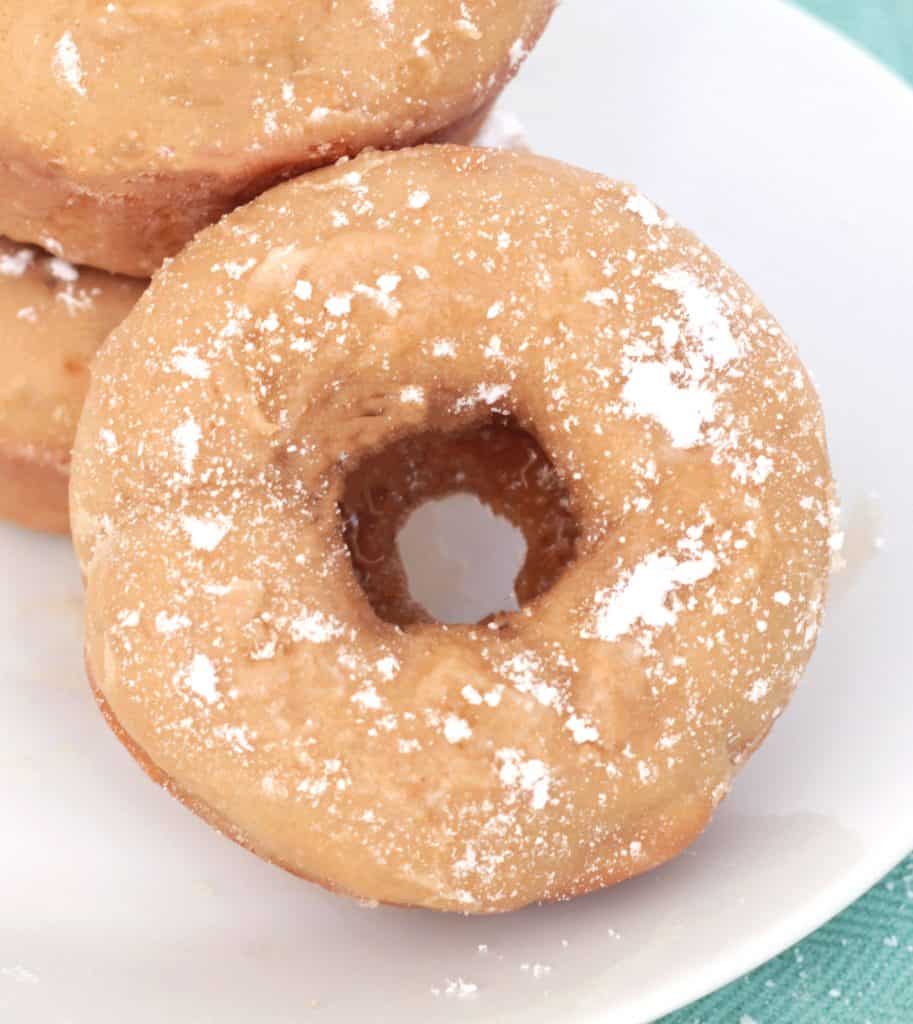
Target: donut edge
200 808
669 839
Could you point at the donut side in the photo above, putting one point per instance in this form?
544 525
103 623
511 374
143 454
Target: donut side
53 318
669 834
34 488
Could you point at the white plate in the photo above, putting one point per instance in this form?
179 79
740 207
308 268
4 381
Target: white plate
793 154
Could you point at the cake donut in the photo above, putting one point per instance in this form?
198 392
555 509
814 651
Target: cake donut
539 754
193 108
53 318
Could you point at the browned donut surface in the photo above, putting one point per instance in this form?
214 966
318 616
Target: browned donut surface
404 303
53 318
127 127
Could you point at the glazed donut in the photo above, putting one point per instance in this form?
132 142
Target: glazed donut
54 317
478 768
193 108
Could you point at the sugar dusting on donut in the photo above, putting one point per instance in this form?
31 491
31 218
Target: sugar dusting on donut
68 64
585 738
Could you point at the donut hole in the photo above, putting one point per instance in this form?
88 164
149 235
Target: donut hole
457 527
461 559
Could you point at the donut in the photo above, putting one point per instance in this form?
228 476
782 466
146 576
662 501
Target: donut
193 108
54 316
412 298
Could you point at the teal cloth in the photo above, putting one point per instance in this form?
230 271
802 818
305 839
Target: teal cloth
858 969
883 26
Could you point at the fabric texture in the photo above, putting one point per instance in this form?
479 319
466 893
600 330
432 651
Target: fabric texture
858 969
885 27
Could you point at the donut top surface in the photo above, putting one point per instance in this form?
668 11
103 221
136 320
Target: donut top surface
579 741
97 91
53 318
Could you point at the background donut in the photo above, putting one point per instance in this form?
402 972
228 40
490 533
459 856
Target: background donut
53 318
194 108
534 756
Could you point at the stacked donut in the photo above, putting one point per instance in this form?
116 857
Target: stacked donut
376 333
130 126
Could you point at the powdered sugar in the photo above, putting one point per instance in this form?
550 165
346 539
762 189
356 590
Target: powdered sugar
456 988
201 679
187 439
643 595
489 394
315 627
706 321
582 730
527 674
187 360
17 263
382 294
206 534
238 737
166 624
682 397
388 666
518 53
602 298
128 618
456 729
530 776
682 411
643 208
388 283
109 439
472 696
62 270
443 350
339 305
758 691
68 64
